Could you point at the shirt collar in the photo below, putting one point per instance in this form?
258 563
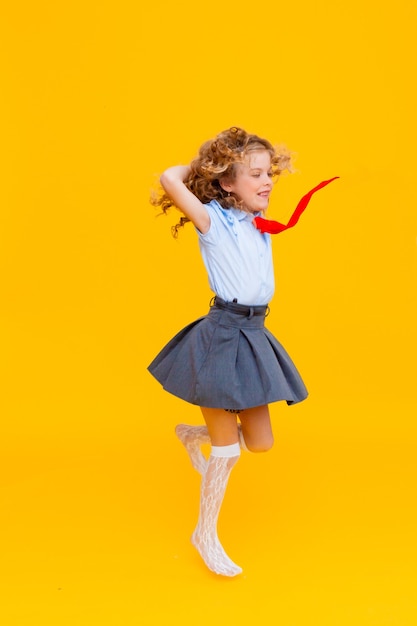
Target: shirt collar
233 214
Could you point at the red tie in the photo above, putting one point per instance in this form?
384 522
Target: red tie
270 226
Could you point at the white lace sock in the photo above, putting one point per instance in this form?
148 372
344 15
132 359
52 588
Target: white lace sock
213 487
193 437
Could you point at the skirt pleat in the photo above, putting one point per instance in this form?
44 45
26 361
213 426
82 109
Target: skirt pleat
229 361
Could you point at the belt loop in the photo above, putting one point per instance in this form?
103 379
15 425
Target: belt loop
251 312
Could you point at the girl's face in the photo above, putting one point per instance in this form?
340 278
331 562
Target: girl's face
253 182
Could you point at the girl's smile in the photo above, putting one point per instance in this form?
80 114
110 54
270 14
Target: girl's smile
253 182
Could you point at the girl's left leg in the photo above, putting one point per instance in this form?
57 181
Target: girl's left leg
256 429
193 437
254 432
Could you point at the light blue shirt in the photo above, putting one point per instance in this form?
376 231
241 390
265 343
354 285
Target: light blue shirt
237 257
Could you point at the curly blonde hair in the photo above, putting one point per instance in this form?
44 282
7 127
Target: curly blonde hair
217 160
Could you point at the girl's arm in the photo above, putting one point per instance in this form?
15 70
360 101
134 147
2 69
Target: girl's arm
172 180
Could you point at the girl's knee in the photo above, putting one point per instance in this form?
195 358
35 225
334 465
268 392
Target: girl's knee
261 445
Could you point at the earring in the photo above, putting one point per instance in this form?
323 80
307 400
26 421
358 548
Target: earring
228 193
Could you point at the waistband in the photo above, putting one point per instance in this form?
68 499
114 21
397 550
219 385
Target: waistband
240 309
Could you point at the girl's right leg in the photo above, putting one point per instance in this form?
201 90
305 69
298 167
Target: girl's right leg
225 452
223 432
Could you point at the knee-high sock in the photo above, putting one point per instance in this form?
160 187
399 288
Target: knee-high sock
193 437
213 487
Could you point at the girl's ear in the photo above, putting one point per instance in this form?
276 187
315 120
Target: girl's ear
225 184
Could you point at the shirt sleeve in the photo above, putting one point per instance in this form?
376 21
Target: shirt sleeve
211 237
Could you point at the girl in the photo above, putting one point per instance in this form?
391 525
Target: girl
227 362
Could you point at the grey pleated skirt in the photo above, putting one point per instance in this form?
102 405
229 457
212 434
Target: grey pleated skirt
228 359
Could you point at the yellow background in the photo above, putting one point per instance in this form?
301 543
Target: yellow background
98 497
